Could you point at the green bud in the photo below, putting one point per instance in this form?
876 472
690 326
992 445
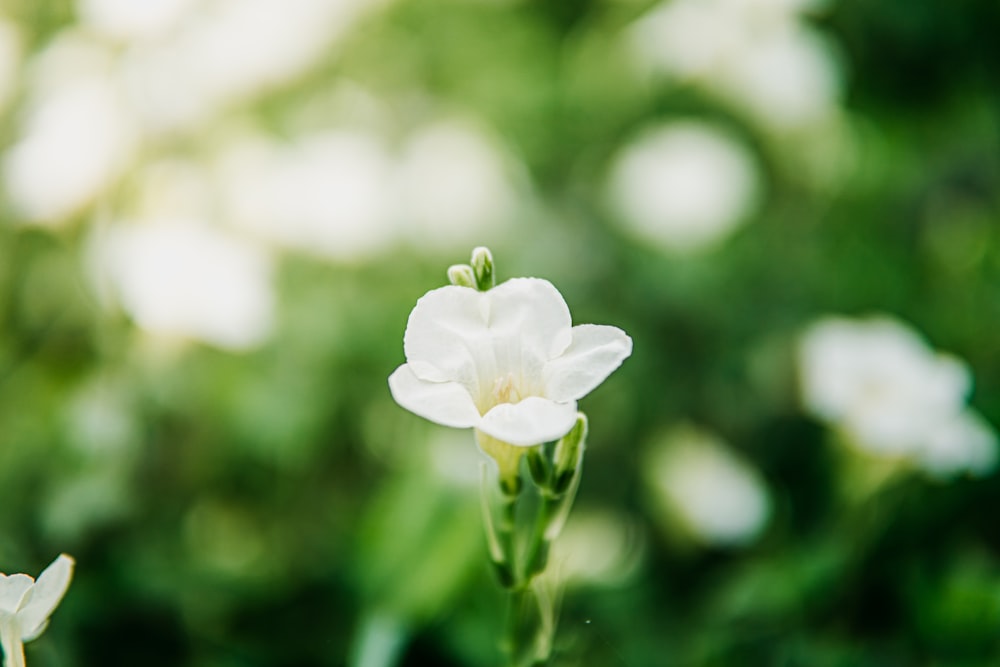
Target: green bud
568 454
482 265
462 275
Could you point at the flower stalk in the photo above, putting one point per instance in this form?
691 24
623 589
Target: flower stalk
554 473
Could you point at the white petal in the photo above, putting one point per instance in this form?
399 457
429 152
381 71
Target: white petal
447 403
443 333
531 422
533 312
596 351
45 595
461 335
12 590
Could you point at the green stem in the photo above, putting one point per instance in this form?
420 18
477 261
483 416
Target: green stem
506 528
529 628
537 553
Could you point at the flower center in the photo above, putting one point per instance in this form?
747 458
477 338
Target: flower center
505 390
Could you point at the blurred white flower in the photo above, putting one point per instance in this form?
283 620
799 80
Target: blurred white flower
26 604
786 80
597 547
878 380
687 39
964 443
231 51
180 278
326 193
78 134
756 54
890 394
684 186
507 361
133 21
454 187
698 481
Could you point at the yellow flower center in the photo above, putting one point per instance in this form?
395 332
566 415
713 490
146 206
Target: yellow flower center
505 390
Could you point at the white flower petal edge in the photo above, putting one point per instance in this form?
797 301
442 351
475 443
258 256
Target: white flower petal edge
596 351
45 596
446 403
529 422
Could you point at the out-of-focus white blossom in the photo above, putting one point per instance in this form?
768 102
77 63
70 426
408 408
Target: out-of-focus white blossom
327 193
879 383
756 54
133 21
345 195
177 277
231 51
786 80
77 134
684 186
696 480
878 380
966 442
454 188
596 548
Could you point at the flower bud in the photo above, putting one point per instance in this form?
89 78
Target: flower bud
482 265
462 275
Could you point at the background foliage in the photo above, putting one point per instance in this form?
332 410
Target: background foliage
268 504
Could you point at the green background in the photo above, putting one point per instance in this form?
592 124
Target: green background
272 507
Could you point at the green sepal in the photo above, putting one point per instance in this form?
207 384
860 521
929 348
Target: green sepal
568 454
538 467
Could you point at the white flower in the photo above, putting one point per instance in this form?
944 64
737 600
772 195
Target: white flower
966 442
879 381
177 277
133 21
325 193
77 140
890 394
598 547
454 185
507 361
26 604
698 481
684 186
755 54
